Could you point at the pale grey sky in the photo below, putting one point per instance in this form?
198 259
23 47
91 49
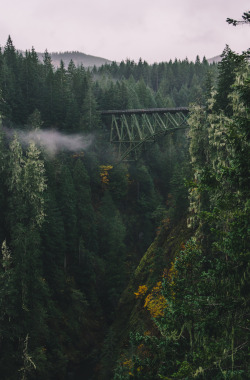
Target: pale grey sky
155 30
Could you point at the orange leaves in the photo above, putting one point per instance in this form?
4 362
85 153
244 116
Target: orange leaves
128 363
104 173
155 305
142 290
155 302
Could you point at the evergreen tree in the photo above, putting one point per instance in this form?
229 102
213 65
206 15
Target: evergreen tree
230 61
26 186
86 225
112 249
90 120
31 83
3 203
202 304
67 203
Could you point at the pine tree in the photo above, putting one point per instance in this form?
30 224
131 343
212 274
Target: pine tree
31 82
26 185
86 224
230 61
9 314
67 203
111 249
48 90
90 119
3 203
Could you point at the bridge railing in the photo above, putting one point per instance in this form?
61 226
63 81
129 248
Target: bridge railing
145 111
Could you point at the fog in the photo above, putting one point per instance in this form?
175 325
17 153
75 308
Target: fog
52 141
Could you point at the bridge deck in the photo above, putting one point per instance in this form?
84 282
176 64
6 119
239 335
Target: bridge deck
145 111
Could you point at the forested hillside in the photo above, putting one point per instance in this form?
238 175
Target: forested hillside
200 303
77 57
75 224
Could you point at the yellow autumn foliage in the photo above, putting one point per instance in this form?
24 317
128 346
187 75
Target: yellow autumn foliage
155 302
104 173
155 305
129 364
142 290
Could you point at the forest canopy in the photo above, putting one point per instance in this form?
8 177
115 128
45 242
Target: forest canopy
75 225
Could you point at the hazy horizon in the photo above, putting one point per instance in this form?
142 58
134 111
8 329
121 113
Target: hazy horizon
154 31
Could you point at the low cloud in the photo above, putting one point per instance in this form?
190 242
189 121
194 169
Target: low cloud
53 141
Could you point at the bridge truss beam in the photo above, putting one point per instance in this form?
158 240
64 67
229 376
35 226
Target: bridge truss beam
131 130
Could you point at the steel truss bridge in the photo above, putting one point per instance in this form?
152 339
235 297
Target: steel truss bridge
132 129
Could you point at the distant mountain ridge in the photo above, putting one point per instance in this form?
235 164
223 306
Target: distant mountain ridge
89 60
216 59
77 57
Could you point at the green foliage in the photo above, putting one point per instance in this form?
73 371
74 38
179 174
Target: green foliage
112 248
229 63
204 332
245 19
70 243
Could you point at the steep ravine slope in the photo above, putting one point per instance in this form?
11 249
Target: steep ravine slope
131 315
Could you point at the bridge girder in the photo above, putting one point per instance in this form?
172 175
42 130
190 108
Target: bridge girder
133 129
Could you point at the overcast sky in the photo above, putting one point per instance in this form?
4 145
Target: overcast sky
155 30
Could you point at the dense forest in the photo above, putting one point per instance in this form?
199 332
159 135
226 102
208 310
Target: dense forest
133 270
